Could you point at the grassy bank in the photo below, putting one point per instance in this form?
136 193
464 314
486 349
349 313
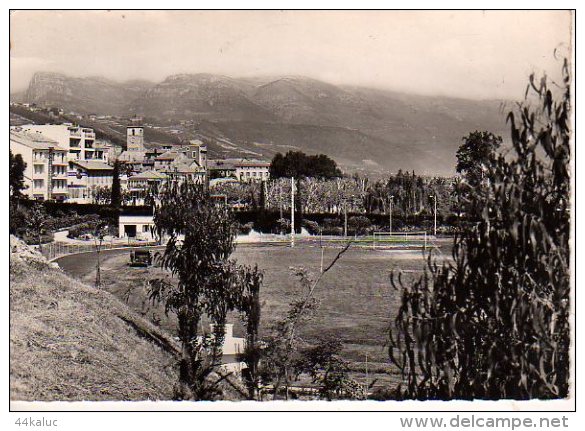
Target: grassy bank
69 341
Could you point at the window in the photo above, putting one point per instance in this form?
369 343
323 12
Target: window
39 169
38 184
145 228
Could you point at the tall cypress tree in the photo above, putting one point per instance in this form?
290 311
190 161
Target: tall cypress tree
116 197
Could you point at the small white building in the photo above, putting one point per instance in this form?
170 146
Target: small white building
136 226
232 347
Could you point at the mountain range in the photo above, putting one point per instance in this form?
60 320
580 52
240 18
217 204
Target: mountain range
361 128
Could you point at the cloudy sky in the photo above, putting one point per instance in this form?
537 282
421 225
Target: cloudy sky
466 54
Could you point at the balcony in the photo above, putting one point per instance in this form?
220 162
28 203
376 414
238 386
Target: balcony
89 135
75 133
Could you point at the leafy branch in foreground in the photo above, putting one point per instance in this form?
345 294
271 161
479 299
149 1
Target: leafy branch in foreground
495 323
206 282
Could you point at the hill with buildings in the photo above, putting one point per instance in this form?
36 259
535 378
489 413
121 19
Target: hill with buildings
362 128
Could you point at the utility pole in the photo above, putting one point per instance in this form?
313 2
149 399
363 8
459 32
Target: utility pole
435 216
367 377
292 211
435 226
345 215
280 198
391 201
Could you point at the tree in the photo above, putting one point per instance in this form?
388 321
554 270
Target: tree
475 155
282 354
101 195
99 233
359 224
37 221
494 323
17 168
201 234
326 368
251 310
299 165
116 192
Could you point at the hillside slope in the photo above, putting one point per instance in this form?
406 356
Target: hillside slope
71 342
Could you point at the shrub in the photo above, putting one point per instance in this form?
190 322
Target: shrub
495 323
359 225
86 228
312 227
244 229
31 239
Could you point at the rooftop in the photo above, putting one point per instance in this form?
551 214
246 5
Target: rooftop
93 165
235 163
132 156
149 175
36 141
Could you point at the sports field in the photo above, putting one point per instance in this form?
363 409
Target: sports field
357 301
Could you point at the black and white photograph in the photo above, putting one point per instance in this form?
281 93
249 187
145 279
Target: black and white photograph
306 209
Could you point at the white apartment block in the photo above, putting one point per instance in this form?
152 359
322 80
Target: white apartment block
45 174
79 141
84 168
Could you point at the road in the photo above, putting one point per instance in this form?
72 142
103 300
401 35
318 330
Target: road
79 265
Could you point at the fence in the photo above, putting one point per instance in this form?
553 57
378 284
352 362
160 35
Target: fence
58 249
407 240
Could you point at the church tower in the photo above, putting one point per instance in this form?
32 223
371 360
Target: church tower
135 138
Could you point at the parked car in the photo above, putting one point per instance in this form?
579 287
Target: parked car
141 258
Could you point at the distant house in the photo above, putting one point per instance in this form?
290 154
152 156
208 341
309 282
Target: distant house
136 161
85 176
187 162
243 170
138 185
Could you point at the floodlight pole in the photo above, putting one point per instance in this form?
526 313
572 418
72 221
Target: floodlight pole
435 227
391 200
292 211
345 217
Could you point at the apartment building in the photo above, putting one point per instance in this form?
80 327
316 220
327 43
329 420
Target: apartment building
79 141
45 174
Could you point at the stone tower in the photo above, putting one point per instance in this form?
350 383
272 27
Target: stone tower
135 138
